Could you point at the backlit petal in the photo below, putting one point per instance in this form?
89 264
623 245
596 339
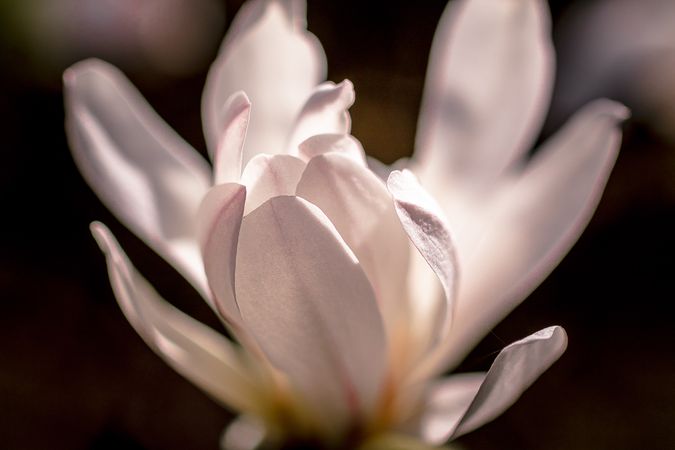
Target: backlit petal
269 55
267 176
142 170
448 400
195 351
424 222
516 367
344 144
325 112
488 87
220 217
535 221
227 158
304 296
360 207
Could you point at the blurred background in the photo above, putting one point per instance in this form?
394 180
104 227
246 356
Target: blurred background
73 373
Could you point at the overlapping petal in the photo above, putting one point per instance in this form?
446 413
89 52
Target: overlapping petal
344 144
227 157
360 207
422 219
267 176
270 56
220 216
305 298
325 112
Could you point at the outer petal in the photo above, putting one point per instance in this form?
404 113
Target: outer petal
147 175
269 55
488 85
267 176
423 221
360 207
448 400
305 298
514 370
227 158
535 221
195 351
326 111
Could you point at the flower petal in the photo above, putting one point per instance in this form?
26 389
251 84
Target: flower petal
488 86
220 217
447 401
326 111
269 55
423 221
512 372
195 351
535 221
267 176
360 207
344 144
142 170
227 158
304 296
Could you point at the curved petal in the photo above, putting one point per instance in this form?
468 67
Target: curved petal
220 217
326 111
512 372
304 296
227 157
344 144
535 221
423 221
195 351
267 176
447 401
142 170
269 55
360 207
487 89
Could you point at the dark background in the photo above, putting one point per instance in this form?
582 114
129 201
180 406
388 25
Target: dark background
74 375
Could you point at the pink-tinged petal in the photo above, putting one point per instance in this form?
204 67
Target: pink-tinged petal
534 222
220 216
325 112
269 55
447 402
195 351
244 433
304 296
267 176
383 170
487 89
344 144
360 207
142 170
423 221
512 372
227 158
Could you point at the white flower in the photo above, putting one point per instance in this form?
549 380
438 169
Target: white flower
305 254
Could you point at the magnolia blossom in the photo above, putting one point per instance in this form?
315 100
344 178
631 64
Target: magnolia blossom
337 275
